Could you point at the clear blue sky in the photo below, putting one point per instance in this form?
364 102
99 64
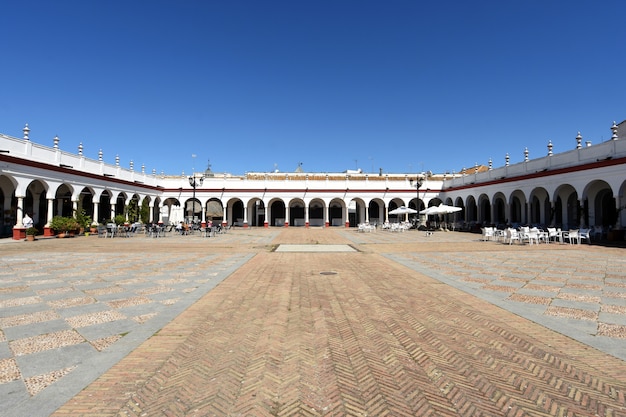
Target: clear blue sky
400 85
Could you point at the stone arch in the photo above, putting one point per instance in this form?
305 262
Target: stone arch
8 203
36 202
356 211
471 210
539 207
566 207
499 209
316 212
63 197
517 208
214 210
598 208
278 212
394 204
484 209
459 217
376 209
235 212
297 215
336 209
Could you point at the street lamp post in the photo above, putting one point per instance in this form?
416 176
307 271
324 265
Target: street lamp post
418 183
194 182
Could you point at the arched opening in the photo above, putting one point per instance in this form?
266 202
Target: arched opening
277 213
237 213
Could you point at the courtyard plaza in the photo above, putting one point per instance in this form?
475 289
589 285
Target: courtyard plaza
311 322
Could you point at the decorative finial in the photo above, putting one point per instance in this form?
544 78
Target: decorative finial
117 160
26 130
549 148
526 154
80 148
614 129
490 164
100 155
579 141
507 158
56 142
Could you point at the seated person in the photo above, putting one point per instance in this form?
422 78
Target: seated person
27 221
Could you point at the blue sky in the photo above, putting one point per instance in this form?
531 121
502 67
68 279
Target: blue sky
400 85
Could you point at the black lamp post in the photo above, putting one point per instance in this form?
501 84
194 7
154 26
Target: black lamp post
418 184
194 182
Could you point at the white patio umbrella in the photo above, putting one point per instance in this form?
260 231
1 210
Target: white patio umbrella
403 210
177 215
441 209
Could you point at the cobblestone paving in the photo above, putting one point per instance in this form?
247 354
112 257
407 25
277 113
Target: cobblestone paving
408 326
586 301
62 315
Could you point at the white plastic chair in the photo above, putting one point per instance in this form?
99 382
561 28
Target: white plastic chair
512 234
572 236
532 236
553 234
584 234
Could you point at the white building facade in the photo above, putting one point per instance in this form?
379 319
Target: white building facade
583 186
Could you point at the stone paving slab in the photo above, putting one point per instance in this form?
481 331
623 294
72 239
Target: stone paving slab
408 325
114 302
314 248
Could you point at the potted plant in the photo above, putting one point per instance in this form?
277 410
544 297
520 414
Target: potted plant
59 225
83 220
72 226
119 220
64 225
31 232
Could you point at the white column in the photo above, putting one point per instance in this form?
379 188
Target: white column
50 211
286 215
151 213
20 212
96 209
326 213
306 215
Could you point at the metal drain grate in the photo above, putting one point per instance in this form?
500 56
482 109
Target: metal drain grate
328 273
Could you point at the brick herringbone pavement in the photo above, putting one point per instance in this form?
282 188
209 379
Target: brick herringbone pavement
351 334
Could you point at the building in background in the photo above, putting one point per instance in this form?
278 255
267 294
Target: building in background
581 187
